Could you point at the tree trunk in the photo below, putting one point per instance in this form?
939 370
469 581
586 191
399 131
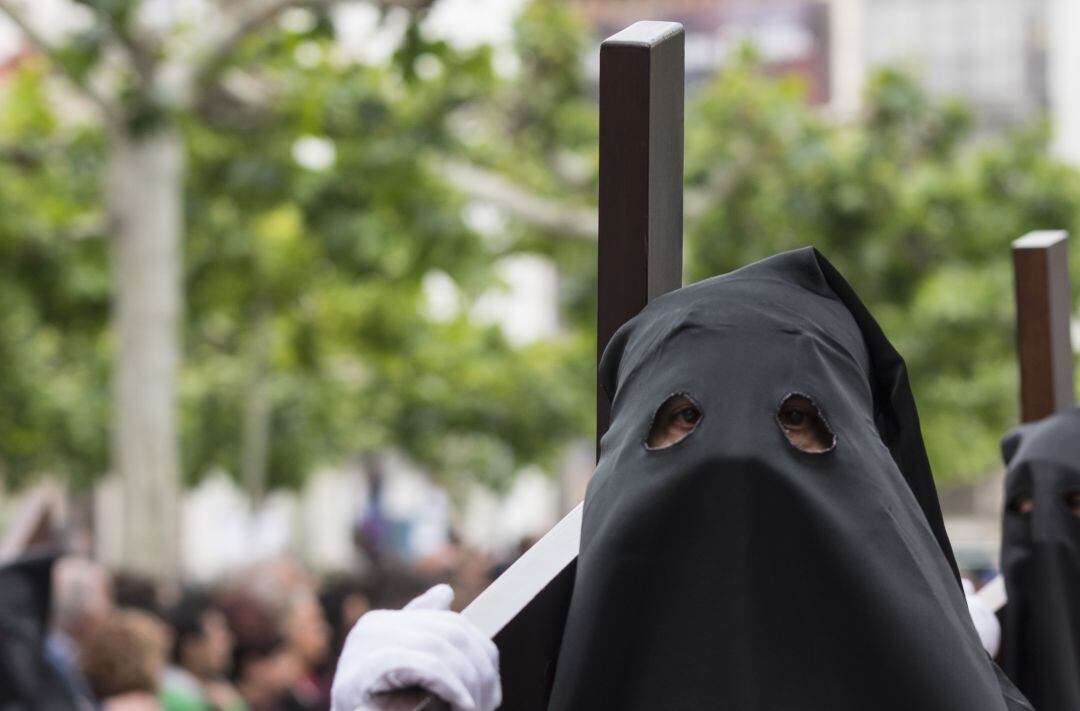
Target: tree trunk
143 193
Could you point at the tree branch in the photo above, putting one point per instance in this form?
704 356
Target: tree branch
219 55
141 54
51 53
551 215
545 213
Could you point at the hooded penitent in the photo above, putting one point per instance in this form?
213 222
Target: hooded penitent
27 681
734 571
1040 557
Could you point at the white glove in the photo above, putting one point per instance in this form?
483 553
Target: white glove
424 644
986 622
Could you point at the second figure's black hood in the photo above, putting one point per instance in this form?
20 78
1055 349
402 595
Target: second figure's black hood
733 571
27 680
1040 558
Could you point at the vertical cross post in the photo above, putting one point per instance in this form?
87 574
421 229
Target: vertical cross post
639 258
641 176
1043 307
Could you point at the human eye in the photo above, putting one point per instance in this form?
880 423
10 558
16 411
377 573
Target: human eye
803 425
676 418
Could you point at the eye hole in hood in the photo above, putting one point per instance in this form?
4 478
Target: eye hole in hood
1022 504
804 426
674 420
1072 502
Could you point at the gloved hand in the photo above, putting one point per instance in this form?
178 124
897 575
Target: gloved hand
986 622
424 644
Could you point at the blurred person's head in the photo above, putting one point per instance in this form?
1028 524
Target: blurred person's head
263 666
136 591
202 641
397 585
275 583
472 575
344 599
82 595
125 654
307 632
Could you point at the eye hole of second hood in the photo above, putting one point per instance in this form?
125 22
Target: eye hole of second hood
804 426
676 418
1023 504
1072 502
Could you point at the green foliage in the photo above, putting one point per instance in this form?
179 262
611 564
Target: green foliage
305 310
911 204
306 315
309 283
54 292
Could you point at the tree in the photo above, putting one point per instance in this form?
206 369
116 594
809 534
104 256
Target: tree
165 120
911 203
306 286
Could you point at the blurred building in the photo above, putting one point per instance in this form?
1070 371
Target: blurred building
790 36
1063 78
991 53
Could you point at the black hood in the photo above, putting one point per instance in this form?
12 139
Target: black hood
1040 558
27 681
734 571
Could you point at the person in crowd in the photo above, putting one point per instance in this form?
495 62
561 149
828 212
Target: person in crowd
264 669
344 599
27 679
762 531
308 638
123 659
1040 559
82 597
197 679
398 584
137 591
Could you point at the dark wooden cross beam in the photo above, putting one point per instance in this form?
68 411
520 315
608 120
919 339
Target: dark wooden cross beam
1043 346
641 178
1043 308
639 258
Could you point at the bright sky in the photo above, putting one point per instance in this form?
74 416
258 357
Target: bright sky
471 22
463 22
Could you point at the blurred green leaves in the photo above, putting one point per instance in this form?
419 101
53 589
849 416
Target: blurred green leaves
306 318
54 291
307 281
911 203
317 204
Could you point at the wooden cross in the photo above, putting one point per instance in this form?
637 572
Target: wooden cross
1043 308
1043 347
639 258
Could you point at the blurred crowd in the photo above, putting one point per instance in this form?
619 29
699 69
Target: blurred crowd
264 639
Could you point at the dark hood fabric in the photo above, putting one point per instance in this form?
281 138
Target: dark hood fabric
732 571
1040 558
27 681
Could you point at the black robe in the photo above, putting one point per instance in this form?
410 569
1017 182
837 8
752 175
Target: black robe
735 572
27 680
1040 558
